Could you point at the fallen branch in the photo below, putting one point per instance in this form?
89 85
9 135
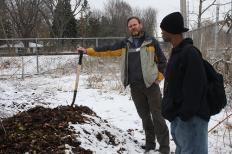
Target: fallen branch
219 123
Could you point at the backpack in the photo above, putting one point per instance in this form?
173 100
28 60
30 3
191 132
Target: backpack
216 97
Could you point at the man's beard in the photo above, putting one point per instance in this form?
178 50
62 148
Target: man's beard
135 33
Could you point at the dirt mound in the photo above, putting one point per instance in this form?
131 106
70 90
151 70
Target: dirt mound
43 130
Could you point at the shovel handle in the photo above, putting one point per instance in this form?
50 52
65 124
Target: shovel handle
77 77
80 57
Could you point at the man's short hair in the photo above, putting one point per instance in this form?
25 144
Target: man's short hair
133 17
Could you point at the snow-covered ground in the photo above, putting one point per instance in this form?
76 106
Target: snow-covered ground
111 105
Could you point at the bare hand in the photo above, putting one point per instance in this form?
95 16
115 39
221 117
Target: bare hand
81 49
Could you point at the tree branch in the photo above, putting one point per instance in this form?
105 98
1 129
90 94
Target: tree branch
213 3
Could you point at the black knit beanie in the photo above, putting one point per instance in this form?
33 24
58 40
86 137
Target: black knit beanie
173 23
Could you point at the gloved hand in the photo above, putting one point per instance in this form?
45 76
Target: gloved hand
81 49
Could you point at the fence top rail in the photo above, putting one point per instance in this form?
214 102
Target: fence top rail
79 38
39 54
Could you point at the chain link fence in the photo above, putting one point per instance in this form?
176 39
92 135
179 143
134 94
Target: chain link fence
215 43
27 57
23 57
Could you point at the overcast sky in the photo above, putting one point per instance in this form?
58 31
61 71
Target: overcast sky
163 7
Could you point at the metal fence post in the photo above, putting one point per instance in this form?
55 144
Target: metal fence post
216 31
37 57
22 76
96 42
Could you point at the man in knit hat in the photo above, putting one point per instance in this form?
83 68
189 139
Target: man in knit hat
184 102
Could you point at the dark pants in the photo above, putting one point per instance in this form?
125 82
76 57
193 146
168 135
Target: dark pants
148 105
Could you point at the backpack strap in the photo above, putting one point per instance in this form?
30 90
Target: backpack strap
191 45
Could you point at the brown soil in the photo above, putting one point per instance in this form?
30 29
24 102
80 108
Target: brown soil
43 130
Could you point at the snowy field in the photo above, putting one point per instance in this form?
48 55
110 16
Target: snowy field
115 106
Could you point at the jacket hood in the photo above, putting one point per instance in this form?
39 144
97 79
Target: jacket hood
186 41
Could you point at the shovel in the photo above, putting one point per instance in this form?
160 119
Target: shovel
77 77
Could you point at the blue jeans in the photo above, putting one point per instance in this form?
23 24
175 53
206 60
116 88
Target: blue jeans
190 137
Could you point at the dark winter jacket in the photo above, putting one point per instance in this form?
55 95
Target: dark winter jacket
185 84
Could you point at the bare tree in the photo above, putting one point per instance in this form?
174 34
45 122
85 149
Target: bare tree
118 11
137 12
24 15
3 16
149 17
202 10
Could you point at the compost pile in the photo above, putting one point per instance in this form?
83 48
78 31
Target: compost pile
43 130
